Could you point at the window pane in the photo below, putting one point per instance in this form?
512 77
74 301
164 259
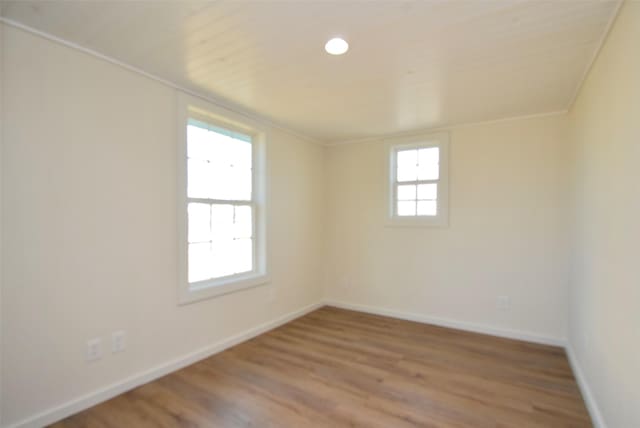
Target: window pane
218 188
428 160
221 222
222 266
219 150
406 208
200 258
222 246
428 191
223 230
200 177
408 157
242 255
199 222
429 155
221 182
239 188
429 171
239 153
219 166
242 225
407 192
407 161
229 183
427 208
199 143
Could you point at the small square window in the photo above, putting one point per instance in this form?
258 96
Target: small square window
418 179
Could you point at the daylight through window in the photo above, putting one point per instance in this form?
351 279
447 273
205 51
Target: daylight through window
220 203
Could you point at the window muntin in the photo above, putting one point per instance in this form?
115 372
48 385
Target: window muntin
221 209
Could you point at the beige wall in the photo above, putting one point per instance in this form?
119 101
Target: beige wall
89 229
605 284
90 232
506 234
1 199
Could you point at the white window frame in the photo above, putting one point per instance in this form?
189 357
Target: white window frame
441 219
192 107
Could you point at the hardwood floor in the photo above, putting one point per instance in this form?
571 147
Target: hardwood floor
338 368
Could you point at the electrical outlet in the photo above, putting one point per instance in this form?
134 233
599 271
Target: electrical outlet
118 341
94 349
503 303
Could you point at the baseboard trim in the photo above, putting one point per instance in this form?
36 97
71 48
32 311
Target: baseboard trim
587 395
91 399
95 397
444 322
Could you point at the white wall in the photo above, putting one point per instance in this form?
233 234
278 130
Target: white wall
1 184
90 239
507 233
605 281
89 229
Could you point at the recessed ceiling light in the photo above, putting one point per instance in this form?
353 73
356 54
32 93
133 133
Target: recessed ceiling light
336 46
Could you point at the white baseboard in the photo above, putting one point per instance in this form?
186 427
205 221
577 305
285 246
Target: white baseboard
589 399
443 322
81 403
587 395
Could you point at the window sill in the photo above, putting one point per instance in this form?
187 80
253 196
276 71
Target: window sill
219 287
428 222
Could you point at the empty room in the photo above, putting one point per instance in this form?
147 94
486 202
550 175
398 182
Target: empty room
316 213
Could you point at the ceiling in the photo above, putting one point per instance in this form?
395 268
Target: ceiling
412 65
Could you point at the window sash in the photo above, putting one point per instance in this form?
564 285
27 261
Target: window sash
254 266
416 183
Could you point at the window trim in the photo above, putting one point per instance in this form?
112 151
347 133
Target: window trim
192 107
441 219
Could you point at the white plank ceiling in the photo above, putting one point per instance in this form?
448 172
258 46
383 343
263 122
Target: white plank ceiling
412 65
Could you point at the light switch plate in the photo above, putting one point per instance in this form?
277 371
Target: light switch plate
118 341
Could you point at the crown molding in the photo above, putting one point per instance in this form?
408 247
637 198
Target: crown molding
421 131
232 107
596 54
268 122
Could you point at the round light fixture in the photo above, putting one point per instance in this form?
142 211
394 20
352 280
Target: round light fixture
336 46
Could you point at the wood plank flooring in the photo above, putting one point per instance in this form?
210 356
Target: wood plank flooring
338 368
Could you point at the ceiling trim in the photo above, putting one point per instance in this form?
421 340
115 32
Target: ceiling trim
212 99
263 120
422 131
596 53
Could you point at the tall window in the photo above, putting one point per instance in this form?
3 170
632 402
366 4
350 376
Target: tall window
419 182
222 216
220 203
